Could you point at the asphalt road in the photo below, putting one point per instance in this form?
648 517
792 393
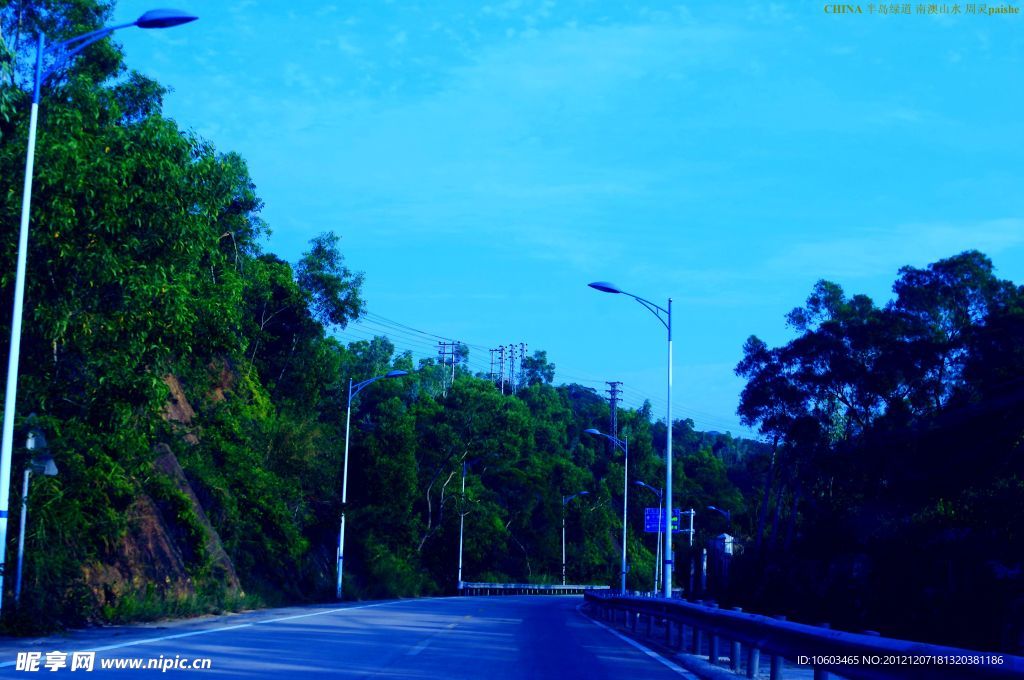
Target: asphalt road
494 638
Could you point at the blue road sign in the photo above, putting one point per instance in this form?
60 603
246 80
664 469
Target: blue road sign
655 516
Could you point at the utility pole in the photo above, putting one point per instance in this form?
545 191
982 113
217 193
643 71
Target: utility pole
445 350
442 358
512 368
522 362
501 367
455 359
613 400
493 375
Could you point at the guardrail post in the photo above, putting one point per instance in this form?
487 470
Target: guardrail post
682 637
753 662
821 673
776 669
696 639
650 624
734 654
633 616
713 645
668 632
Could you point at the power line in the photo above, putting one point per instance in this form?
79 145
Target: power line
424 346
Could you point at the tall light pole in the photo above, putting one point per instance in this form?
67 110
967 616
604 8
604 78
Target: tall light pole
664 315
624 445
353 390
462 520
61 53
41 463
661 520
565 501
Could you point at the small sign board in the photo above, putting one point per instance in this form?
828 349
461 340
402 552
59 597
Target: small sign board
655 516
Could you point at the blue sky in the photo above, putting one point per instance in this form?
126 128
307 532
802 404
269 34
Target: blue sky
483 162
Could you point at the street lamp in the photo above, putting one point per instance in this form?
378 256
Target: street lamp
41 463
666 321
661 519
353 390
624 445
565 501
724 513
61 53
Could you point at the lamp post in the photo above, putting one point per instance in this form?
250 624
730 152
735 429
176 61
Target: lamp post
624 445
61 52
661 519
462 520
565 501
353 390
41 463
664 315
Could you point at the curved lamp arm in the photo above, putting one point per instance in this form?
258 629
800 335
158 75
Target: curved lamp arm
655 309
65 50
567 499
724 513
353 390
614 440
650 488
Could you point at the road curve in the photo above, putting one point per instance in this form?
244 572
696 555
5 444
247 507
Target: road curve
494 638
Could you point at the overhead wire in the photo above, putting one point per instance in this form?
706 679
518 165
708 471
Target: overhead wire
423 344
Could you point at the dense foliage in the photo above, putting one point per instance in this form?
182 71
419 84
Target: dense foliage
897 465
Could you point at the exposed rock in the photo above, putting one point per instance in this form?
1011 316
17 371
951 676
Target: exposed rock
226 380
178 410
156 553
145 559
167 463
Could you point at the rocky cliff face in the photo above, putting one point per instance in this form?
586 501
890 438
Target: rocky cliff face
158 559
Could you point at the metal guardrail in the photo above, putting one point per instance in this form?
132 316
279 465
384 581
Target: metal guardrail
703 628
525 589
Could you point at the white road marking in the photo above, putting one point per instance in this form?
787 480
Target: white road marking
649 652
221 629
423 645
419 648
